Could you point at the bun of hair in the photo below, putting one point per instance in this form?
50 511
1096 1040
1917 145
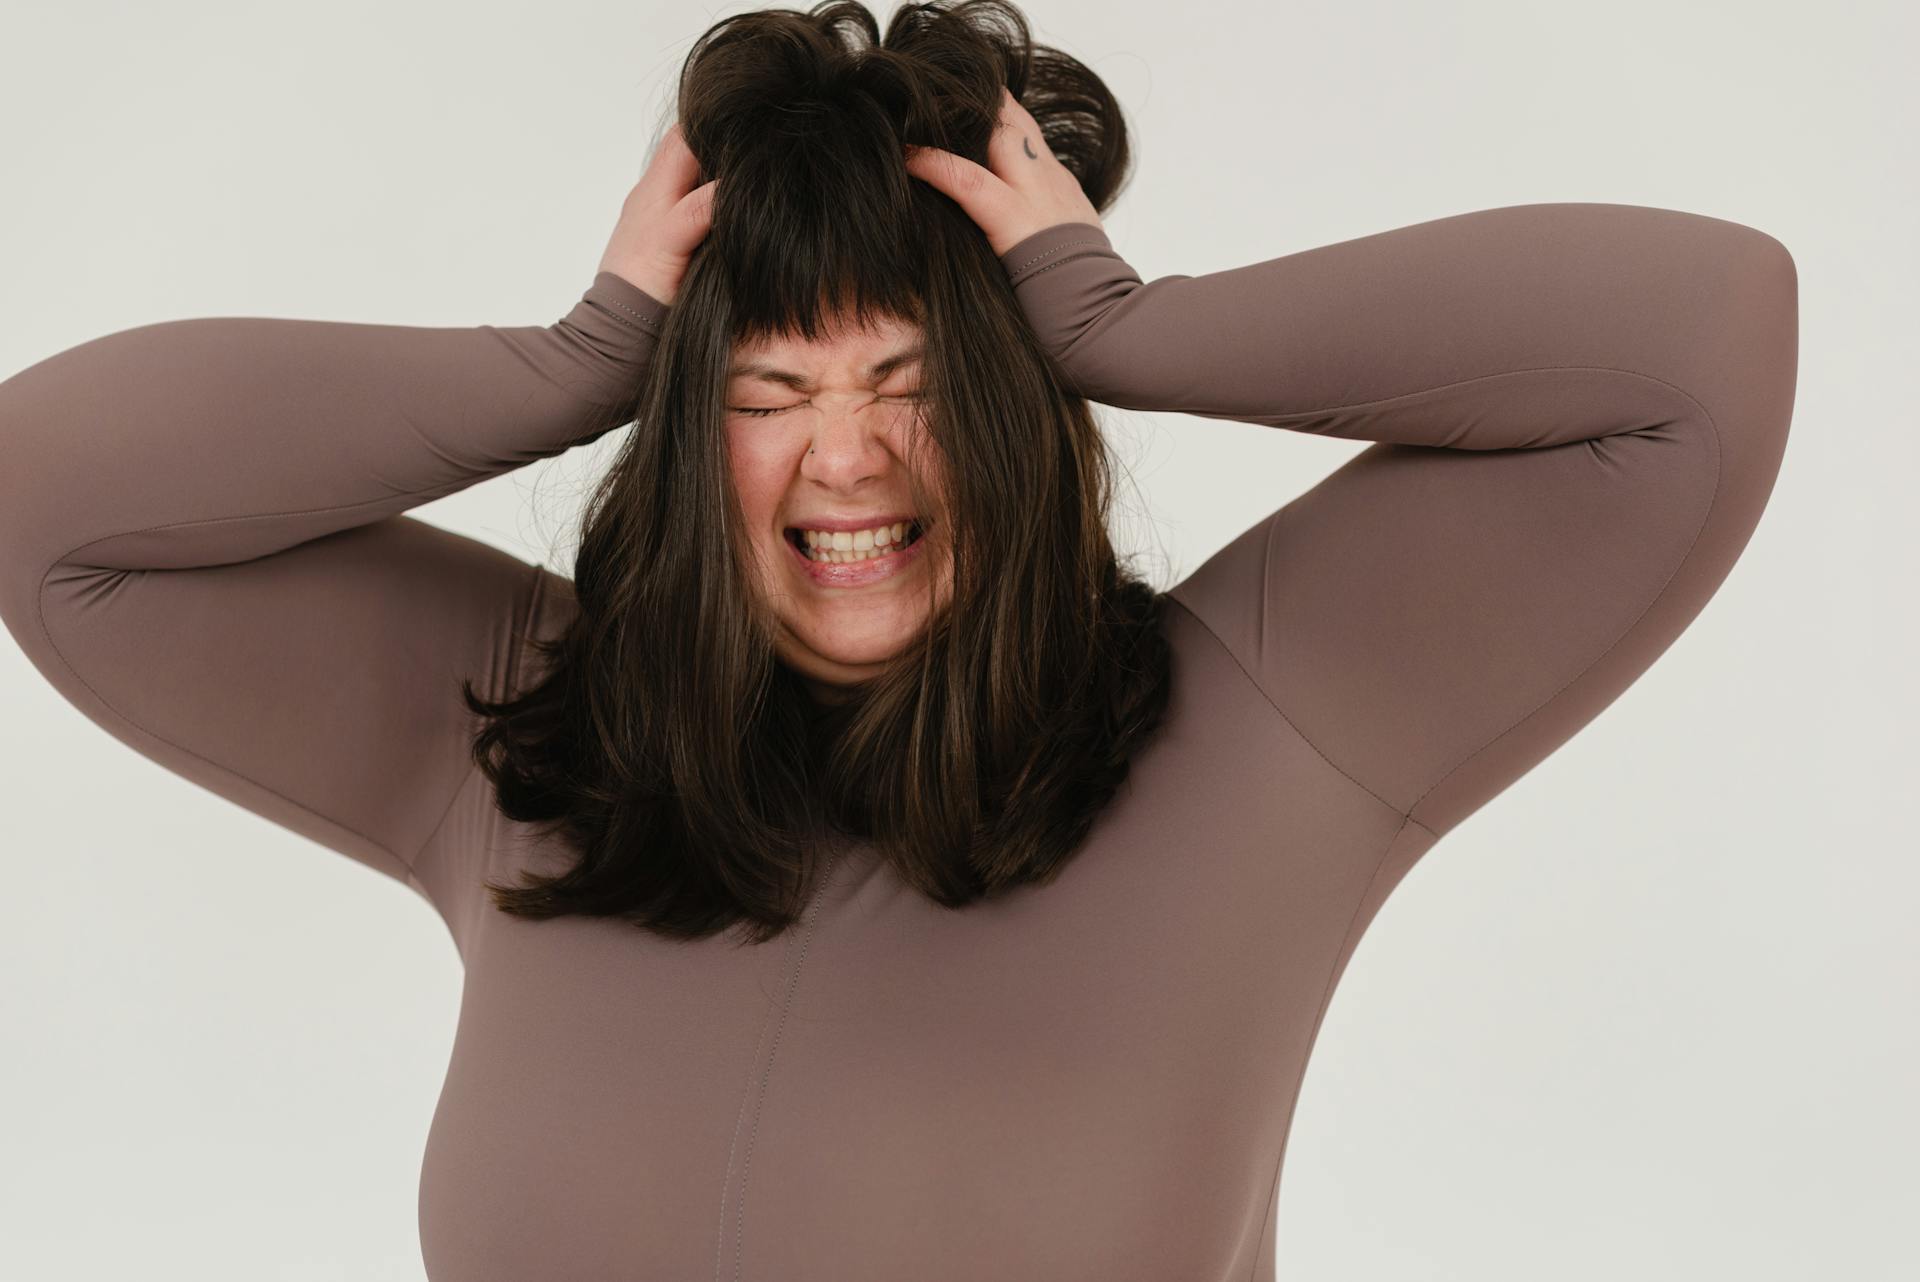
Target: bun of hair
803 114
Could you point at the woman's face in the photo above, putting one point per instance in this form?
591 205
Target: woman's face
820 435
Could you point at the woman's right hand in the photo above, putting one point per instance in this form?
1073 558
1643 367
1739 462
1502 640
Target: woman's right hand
663 221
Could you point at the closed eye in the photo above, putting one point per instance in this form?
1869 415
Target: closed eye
761 413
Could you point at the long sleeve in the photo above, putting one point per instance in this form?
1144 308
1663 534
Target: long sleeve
1578 413
202 546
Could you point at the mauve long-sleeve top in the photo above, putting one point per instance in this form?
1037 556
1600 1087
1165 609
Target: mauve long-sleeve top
1578 412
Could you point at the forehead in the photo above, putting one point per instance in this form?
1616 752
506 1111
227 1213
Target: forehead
841 348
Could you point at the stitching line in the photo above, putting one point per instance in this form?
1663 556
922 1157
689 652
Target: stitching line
766 1073
1060 248
517 652
435 490
39 605
516 649
1719 474
466 778
1057 249
1276 420
726 1183
40 616
639 321
1281 712
66 559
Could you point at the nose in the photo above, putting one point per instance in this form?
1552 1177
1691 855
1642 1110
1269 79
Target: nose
848 444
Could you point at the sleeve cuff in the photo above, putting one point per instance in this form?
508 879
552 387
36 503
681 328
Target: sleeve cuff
1051 246
628 304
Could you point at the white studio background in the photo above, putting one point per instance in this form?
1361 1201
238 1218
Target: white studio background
1650 1014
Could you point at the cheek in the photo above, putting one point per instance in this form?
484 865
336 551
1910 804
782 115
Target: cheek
759 478
914 446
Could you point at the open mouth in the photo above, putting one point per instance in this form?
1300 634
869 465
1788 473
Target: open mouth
884 541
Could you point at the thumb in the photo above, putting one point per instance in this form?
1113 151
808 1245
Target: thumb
691 218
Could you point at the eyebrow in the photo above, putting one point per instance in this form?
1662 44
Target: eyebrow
799 382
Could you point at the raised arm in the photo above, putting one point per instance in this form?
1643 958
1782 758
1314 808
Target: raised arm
201 545
1580 410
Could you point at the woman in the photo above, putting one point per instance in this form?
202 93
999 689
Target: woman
1045 879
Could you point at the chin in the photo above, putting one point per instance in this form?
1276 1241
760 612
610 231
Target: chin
849 639
832 655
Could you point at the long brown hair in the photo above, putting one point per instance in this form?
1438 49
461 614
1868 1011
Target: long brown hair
692 772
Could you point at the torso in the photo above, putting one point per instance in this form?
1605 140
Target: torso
1093 1078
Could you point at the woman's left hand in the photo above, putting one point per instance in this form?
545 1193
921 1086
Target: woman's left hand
1024 188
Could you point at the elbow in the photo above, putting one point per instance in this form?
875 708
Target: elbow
1742 334
1775 257
1775 279
1758 274
1749 384
1766 315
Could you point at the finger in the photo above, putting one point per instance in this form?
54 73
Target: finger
1017 152
1017 145
1012 109
691 220
976 190
696 207
673 170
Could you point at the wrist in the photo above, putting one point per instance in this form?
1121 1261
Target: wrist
659 283
633 307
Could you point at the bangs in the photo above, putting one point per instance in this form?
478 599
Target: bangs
833 281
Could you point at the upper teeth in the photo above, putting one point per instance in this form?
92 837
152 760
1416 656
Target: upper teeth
857 540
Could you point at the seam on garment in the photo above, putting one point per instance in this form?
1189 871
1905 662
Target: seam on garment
1713 501
739 1117
638 321
1276 420
516 647
1326 998
517 643
66 559
1016 276
40 617
1282 713
766 1073
437 491
1272 420
466 781
414 881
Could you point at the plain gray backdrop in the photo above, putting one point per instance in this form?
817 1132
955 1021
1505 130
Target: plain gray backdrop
1650 1014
